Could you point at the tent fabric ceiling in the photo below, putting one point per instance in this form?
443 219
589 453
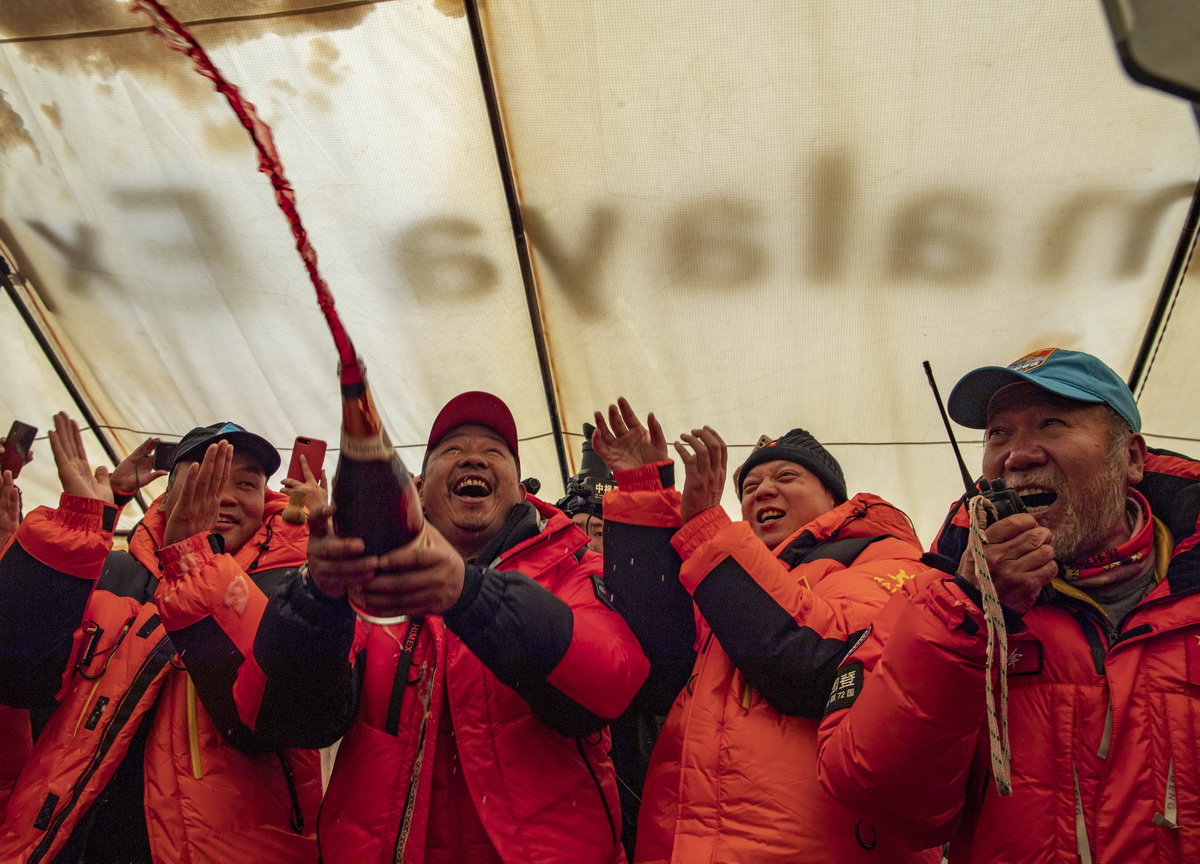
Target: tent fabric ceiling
755 216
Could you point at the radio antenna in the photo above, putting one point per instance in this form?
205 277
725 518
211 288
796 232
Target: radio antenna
962 466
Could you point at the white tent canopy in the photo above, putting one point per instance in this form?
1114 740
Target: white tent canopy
754 215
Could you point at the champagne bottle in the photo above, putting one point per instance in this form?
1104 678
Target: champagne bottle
373 494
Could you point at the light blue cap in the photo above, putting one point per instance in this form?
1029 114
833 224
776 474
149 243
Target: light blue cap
1073 374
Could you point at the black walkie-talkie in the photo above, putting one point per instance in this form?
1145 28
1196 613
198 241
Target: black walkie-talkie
1006 501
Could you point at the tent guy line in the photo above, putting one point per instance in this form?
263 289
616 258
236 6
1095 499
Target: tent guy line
541 435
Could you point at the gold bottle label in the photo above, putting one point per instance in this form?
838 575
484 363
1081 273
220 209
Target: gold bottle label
372 448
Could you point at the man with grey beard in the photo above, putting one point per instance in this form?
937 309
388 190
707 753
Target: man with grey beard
1098 694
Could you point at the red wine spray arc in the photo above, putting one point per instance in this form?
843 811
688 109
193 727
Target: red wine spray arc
372 491
179 39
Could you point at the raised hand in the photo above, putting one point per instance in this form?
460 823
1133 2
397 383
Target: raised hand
1020 559
195 498
74 471
136 469
623 442
316 490
705 465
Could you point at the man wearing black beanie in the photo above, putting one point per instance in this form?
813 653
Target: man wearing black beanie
745 624
796 502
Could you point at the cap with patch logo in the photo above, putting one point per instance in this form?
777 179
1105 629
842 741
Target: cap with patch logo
195 442
1072 374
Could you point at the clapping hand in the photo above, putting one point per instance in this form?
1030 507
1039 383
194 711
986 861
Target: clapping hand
10 507
624 443
74 471
705 465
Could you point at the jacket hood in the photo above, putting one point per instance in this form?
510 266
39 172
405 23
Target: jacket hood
551 522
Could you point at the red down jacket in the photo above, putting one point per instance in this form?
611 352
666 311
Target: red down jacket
80 630
528 667
1104 725
749 665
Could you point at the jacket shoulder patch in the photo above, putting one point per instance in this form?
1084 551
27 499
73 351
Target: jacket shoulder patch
846 687
602 593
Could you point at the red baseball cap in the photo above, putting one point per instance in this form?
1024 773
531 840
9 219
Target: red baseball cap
475 406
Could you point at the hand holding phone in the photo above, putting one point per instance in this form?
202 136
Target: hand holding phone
16 447
313 451
305 488
136 470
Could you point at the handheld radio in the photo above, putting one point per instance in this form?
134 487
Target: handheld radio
1006 501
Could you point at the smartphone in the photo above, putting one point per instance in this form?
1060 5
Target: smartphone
164 455
16 447
313 450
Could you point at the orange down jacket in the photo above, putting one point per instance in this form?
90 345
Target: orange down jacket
80 630
733 775
1104 723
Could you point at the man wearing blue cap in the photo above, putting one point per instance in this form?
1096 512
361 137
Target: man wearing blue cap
1097 696
141 755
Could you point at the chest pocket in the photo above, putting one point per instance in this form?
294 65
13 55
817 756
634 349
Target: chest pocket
1191 650
1024 657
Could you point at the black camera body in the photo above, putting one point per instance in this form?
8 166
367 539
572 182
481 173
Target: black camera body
585 494
585 490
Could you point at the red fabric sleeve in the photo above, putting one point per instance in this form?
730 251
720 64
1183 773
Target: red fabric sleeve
903 751
641 498
604 666
822 595
197 582
73 539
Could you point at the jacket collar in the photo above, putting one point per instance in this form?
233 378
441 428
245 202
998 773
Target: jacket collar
864 515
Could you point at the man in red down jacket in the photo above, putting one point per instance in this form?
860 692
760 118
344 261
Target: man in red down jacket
140 756
1100 587
744 624
480 734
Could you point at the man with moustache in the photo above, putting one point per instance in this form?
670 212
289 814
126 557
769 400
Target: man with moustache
480 734
1099 583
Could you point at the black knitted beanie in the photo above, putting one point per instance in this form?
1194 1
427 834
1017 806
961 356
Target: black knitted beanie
803 449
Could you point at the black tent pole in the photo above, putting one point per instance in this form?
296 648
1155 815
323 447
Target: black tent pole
1166 296
532 301
6 275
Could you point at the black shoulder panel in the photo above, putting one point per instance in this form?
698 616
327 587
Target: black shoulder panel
803 550
125 576
1174 500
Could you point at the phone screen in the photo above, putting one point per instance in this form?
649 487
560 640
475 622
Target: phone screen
164 455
